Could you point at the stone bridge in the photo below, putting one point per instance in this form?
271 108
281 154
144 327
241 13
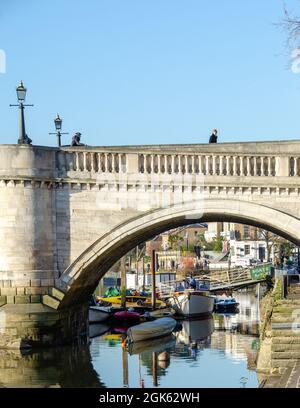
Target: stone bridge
68 214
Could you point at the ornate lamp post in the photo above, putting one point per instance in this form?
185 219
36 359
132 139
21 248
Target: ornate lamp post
21 94
58 126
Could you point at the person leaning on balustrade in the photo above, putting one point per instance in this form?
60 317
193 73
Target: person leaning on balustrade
76 140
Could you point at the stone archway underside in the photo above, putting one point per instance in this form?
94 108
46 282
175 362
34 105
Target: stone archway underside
81 278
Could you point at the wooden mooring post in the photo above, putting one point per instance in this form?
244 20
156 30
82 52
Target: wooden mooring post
123 282
153 279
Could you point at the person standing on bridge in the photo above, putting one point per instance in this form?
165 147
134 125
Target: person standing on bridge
214 136
27 139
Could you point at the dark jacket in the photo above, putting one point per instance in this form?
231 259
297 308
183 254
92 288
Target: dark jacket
27 140
76 141
213 139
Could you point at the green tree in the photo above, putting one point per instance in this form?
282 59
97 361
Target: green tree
175 241
218 244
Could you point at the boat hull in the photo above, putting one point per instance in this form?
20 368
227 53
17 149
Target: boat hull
151 330
98 314
97 329
192 304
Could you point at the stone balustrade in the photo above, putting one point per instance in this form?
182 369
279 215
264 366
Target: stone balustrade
214 165
248 163
91 161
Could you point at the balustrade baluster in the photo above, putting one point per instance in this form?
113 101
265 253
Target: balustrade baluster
255 166
119 163
100 168
295 166
234 166
221 165
228 170
214 165
106 163
92 161
84 161
159 164
147 163
113 163
243 171
269 166
164 164
77 164
248 166
186 170
152 164
262 166
172 164
193 158
200 161
207 169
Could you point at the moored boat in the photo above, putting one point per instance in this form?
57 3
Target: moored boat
162 313
99 314
225 304
192 303
130 300
97 329
151 330
127 315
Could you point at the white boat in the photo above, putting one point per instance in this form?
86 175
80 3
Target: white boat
99 314
192 303
151 330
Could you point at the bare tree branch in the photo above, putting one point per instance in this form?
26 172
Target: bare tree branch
291 24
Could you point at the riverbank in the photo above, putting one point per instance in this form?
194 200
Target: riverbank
278 364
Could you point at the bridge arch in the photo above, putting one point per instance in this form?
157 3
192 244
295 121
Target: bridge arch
80 279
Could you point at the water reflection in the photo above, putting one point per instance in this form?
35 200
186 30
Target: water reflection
216 352
248 318
195 331
51 368
157 345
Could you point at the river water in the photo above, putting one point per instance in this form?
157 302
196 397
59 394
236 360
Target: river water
217 352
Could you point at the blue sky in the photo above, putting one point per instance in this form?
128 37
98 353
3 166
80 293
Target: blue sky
149 71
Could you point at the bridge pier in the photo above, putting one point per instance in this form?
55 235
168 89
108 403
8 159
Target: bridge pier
29 266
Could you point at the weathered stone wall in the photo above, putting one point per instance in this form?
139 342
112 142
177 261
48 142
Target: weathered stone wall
280 337
28 259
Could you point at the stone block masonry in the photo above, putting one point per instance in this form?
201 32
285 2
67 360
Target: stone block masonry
24 290
282 341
